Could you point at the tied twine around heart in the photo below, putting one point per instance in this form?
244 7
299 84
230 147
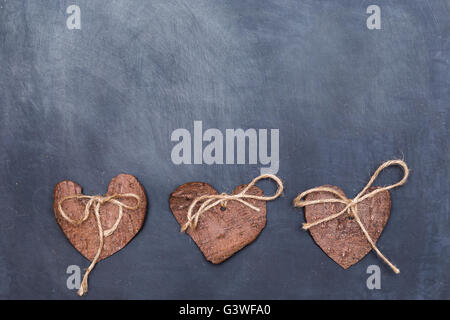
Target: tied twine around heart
97 202
350 204
208 200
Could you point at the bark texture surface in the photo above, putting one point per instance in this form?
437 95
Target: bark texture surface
342 238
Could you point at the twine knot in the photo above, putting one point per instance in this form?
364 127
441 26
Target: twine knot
96 202
224 203
210 201
351 204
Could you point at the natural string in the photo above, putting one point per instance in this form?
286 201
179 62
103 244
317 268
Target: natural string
97 202
350 204
208 200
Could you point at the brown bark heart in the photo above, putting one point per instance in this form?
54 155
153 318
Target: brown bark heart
341 238
220 233
85 237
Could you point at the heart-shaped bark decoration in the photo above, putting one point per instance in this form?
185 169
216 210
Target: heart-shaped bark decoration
220 232
342 239
329 215
85 236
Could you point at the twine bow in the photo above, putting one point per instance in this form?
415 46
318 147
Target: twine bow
97 202
208 200
351 204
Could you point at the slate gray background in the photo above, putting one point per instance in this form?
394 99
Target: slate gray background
88 104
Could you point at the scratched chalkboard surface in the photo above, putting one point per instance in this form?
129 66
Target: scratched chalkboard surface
91 92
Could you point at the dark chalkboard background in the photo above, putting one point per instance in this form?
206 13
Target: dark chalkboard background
89 104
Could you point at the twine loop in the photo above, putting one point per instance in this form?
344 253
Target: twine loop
351 204
210 201
96 202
